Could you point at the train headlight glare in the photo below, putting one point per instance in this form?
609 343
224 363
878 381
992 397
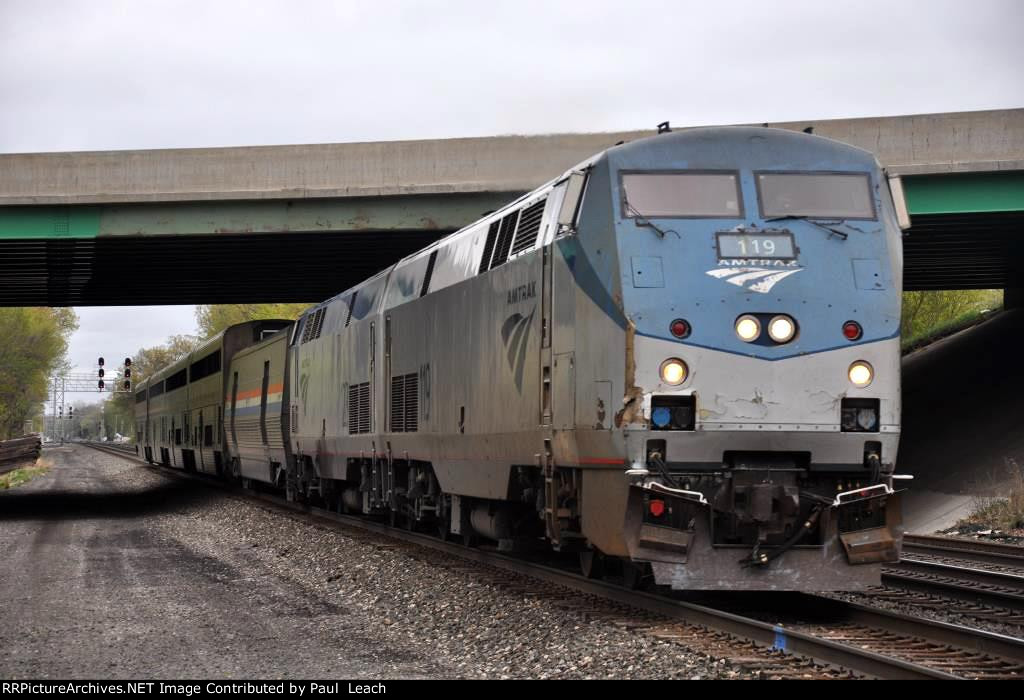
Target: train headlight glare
781 329
674 371
861 373
748 328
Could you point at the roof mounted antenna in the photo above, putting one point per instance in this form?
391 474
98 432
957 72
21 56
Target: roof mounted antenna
664 128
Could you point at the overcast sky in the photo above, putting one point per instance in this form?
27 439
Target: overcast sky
108 74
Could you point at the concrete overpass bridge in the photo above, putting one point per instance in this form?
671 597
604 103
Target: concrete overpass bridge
300 223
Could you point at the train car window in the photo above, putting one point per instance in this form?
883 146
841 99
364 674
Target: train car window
682 195
205 366
177 380
826 195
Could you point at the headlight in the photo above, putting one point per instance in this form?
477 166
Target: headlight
861 373
782 328
748 328
674 371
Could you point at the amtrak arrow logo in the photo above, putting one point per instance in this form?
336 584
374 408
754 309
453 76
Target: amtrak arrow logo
756 279
515 334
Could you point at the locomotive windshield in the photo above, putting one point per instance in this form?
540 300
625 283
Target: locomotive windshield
824 195
682 195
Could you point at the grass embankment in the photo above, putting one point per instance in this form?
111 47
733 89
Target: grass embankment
940 331
16 478
930 316
1004 512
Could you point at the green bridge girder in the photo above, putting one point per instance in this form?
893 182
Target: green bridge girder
965 193
409 213
950 193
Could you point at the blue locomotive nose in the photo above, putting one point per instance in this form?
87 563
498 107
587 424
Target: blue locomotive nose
761 263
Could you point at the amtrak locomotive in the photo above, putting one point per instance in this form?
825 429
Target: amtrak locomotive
680 359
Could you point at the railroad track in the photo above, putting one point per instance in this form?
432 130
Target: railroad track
992 589
842 639
998 554
981 580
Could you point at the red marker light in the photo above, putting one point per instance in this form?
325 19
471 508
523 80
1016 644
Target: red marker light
679 328
852 330
657 508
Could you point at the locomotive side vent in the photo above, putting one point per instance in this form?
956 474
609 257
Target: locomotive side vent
492 236
504 245
314 324
351 305
405 403
319 322
529 226
359 408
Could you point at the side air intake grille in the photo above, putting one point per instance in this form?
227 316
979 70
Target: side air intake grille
529 226
508 230
359 408
405 403
314 324
492 236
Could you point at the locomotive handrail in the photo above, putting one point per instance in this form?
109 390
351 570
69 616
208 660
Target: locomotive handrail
689 495
861 492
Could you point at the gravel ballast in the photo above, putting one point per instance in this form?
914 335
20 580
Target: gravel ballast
154 576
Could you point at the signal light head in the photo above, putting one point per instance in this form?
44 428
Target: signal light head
102 372
127 362
101 385
127 385
100 362
852 330
679 328
657 508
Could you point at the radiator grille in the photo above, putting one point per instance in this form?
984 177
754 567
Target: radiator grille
504 245
314 324
529 226
492 236
405 403
359 408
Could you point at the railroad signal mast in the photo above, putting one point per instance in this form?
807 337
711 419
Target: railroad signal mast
123 379
85 382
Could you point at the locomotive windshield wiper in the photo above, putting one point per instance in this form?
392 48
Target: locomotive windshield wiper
826 225
640 220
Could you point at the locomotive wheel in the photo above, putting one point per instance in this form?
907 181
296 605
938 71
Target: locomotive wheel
592 564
